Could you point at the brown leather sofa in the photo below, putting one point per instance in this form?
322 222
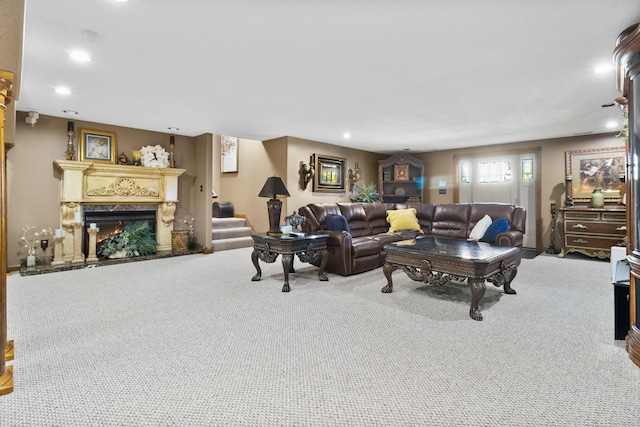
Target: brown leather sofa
362 248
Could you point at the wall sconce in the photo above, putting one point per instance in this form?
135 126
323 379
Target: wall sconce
306 173
354 176
274 188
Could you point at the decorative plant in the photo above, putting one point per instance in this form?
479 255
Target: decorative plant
191 226
31 238
135 239
365 193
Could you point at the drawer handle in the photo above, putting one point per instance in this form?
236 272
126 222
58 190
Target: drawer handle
584 227
623 228
581 241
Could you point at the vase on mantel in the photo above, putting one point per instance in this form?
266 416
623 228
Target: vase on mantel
597 198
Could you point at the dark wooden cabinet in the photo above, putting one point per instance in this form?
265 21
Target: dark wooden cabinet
401 179
626 57
591 231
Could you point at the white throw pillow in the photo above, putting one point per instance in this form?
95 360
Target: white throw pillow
480 228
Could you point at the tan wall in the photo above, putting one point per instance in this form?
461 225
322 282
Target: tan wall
241 188
299 150
440 166
33 184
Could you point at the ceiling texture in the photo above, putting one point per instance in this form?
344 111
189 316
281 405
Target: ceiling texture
396 74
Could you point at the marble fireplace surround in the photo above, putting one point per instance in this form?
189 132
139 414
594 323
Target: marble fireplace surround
93 183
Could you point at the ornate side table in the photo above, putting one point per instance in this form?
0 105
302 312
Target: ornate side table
309 248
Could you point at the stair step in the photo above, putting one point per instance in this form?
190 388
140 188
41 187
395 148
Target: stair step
233 243
218 223
228 233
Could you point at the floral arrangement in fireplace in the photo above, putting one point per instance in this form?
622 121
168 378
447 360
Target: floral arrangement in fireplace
135 239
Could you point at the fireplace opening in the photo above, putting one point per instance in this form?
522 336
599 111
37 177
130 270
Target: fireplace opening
111 221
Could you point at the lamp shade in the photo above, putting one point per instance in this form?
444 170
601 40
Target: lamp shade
273 188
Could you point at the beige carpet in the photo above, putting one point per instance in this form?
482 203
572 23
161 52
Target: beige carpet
191 341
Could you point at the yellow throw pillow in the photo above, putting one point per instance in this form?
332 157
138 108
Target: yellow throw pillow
403 219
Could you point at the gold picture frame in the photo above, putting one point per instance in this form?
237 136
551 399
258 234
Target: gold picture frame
401 172
97 146
329 174
595 168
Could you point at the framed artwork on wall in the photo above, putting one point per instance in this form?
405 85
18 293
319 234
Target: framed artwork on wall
97 146
589 169
401 172
228 153
330 174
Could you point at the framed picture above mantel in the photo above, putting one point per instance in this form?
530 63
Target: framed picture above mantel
97 146
602 168
330 174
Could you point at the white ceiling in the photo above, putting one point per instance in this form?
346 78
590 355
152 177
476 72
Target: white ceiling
405 74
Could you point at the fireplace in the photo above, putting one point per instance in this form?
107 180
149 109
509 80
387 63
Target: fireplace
111 219
98 191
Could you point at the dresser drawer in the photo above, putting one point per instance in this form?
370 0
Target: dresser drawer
595 227
592 242
582 215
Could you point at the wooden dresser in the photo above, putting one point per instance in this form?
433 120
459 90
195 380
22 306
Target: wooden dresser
591 231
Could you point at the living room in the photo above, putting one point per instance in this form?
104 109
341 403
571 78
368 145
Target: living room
192 341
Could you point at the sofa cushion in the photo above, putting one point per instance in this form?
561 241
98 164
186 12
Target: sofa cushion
403 219
353 211
480 228
377 217
496 227
364 246
336 223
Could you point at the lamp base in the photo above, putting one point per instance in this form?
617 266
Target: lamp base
274 206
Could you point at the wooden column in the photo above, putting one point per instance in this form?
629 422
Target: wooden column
627 60
6 372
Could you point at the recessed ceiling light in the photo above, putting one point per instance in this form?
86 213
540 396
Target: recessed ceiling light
173 129
80 56
70 112
612 124
603 68
63 91
346 135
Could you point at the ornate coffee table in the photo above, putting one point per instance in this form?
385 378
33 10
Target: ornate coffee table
438 260
309 248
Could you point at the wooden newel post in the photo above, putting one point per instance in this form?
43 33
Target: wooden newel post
6 348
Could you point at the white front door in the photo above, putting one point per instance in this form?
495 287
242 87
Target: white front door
502 179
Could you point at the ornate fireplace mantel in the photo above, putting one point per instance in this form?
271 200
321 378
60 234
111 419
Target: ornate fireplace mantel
102 183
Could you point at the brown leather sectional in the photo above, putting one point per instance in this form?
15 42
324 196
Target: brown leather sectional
362 249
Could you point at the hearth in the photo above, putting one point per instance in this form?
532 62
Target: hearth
111 219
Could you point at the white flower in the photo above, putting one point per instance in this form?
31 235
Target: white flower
154 156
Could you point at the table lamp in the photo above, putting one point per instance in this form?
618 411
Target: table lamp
274 188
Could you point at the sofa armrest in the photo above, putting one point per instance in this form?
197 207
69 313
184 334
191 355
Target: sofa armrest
339 247
511 238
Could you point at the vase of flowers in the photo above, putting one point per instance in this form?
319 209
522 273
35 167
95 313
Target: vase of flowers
30 238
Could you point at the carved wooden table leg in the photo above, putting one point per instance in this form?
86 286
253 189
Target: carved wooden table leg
388 269
504 279
324 254
254 258
477 292
287 266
